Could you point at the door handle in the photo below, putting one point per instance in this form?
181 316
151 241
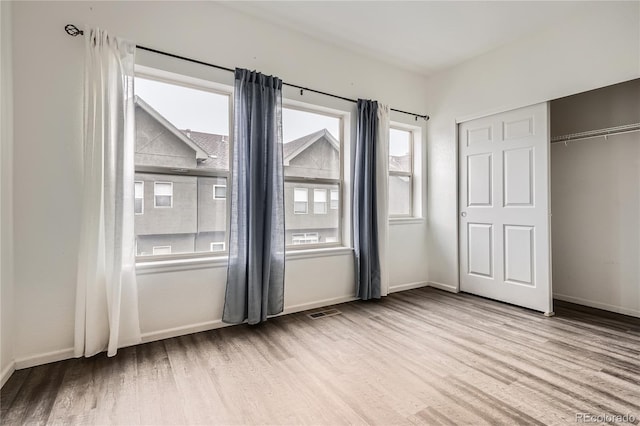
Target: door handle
463 214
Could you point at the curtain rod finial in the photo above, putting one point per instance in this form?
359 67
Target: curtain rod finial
72 30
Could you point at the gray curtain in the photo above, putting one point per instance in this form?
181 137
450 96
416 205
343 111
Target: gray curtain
365 217
255 279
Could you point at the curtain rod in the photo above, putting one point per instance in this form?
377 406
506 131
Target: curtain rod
609 131
74 31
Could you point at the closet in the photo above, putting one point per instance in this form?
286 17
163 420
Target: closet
595 198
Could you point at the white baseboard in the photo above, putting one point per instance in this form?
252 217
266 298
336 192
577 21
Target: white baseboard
212 325
445 287
181 331
597 305
319 304
45 358
7 372
408 286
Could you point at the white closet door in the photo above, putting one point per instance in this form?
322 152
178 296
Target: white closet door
504 207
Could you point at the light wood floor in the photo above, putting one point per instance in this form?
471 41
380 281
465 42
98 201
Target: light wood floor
417 357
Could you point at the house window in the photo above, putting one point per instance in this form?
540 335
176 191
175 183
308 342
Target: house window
138 196
300 201
219 192
320 201
182 149
163 194
161 250
313 144
306 238
400 172
218 246
335 199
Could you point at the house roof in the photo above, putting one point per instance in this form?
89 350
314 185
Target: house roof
201 154
216 146
292 149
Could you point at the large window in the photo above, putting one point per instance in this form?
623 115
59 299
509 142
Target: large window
400 173
313 177
182 152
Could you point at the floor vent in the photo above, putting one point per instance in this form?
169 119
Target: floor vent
323 314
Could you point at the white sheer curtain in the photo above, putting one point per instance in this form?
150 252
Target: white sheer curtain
382 189
107 294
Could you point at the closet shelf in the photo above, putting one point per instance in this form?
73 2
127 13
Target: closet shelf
597 133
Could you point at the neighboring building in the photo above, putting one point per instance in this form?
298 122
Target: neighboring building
181 213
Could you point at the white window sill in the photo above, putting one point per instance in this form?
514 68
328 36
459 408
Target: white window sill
318 252
405 220
173 265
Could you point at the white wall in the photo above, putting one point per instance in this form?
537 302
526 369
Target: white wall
595 193
597 47
6 195
48 68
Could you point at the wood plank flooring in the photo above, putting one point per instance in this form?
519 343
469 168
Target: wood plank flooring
418 357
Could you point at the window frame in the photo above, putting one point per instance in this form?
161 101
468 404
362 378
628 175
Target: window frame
155 204
343 117
136 198
410 174
306 210
325 202
207 86
331 191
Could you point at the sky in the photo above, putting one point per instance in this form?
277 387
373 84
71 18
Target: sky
208 112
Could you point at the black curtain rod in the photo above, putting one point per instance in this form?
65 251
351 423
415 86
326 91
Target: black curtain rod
74 31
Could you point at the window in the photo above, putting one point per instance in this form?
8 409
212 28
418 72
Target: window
400 172
300 201
312 170
219 192
320 201
159 250
163 194
307 238
335 199
138 194
182 149
218 246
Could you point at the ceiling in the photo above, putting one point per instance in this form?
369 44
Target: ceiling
422 36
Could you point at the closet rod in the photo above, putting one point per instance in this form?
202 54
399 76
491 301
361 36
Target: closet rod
627 128
74 31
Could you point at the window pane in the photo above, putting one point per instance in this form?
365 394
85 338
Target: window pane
399 196
311 144
139 190
195 222
138 197
219 192
161 250
335 199
310 228
217 246
180 127
399 150
163 188
320 201
300 197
